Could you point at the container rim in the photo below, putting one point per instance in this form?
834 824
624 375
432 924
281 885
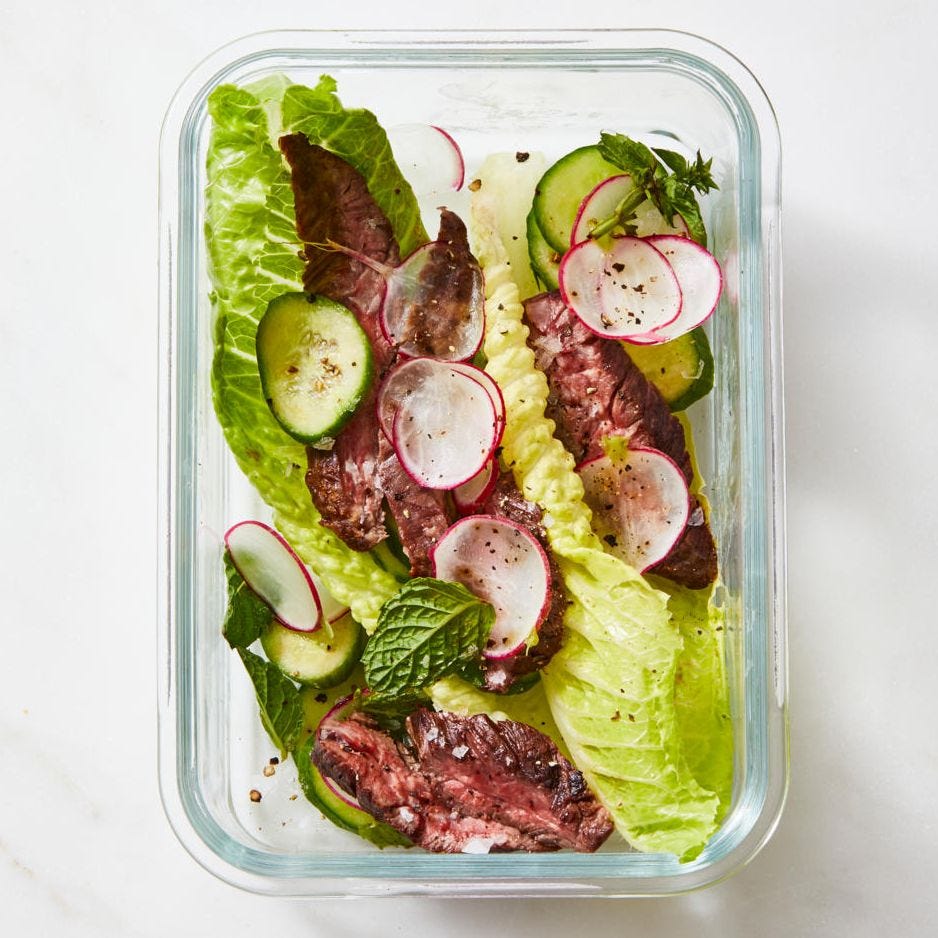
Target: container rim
750 825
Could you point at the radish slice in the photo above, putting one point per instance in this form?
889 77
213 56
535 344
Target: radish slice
701 281
640 506
429 158
408 377
502 563
401 382
404 320
627 291
601 203
271 568
470 495
445 430
490 385
332 609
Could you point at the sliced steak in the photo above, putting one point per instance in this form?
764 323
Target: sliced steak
333 203
420 515
510 771
506 501
464 784
597 391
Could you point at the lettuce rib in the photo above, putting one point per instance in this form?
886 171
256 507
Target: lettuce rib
611 687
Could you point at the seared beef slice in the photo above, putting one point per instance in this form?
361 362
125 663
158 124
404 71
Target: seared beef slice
333 203
464 784
596 391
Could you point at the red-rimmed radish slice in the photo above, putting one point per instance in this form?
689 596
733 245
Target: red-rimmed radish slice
599 205
701 281
401 382
602 202
490 385
445 430
332 785
640 504
502 563
409 376
408 308
470 495
626 291
271 568
429 158
332 609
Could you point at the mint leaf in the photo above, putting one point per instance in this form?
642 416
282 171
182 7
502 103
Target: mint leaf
630 156
425 632
674 161
278 699
672 194
391 712
248 615
679 198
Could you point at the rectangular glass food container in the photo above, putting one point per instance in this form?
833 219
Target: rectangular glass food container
504 91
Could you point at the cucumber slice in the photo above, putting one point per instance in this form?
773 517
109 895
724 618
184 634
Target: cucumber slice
545 261
340 812
315 659
562 189
315 364
682 369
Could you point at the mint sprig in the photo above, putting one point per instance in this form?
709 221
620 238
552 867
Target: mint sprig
428 630
247 615
279 700
672 193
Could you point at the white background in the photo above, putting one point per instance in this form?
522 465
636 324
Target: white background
84 847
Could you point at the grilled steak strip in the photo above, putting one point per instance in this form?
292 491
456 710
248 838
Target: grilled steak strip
333 203
596 391
511 770
421 515
464 784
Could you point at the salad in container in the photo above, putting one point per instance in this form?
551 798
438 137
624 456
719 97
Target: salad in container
473 465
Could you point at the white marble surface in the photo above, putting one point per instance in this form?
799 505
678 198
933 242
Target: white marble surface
84 847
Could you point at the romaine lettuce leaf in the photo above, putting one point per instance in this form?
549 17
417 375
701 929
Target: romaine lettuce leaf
356 136
251 236
611 687
701 695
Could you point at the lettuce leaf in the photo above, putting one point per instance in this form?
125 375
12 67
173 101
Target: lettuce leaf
611 687
250 233
701 694
356 136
